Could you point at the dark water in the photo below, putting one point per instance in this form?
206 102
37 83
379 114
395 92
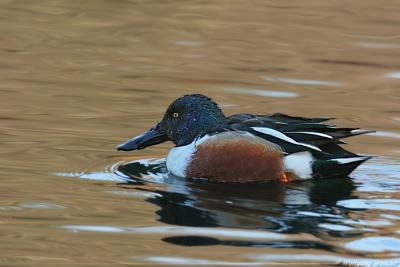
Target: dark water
79 78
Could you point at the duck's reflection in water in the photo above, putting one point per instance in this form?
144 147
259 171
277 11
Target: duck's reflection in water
283 208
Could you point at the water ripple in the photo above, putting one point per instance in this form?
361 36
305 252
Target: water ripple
394 75
300 81
386 134
320 258
382 204
31 205
375 244
336 227
193 261
259 92
179 230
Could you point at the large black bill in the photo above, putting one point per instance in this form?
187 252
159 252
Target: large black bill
152 137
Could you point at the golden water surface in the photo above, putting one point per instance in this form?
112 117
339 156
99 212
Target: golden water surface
80 77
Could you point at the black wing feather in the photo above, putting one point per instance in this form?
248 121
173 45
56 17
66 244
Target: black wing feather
293 134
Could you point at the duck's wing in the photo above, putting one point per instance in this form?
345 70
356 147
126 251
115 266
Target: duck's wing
293 134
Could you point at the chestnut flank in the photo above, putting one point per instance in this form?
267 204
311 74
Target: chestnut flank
237 160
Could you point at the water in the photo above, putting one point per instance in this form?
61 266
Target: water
79 78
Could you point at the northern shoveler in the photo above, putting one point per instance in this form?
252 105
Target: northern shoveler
246 147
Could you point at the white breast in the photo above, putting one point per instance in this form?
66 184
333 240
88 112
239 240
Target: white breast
180 157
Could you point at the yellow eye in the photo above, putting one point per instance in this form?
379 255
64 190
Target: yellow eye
175 114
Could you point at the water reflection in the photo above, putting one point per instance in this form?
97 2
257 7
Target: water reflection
295 208
272 215
339 220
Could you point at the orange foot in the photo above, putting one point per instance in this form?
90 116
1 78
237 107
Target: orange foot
284 177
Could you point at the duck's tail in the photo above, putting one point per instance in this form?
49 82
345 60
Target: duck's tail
337 167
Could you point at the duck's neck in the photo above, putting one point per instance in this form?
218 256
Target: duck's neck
196 125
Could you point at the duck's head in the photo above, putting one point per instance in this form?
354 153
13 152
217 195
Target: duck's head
185 118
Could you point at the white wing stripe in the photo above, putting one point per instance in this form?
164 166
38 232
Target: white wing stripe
282 136
314 133
274 133
310 146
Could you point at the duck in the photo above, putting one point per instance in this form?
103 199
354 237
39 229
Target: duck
246 147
